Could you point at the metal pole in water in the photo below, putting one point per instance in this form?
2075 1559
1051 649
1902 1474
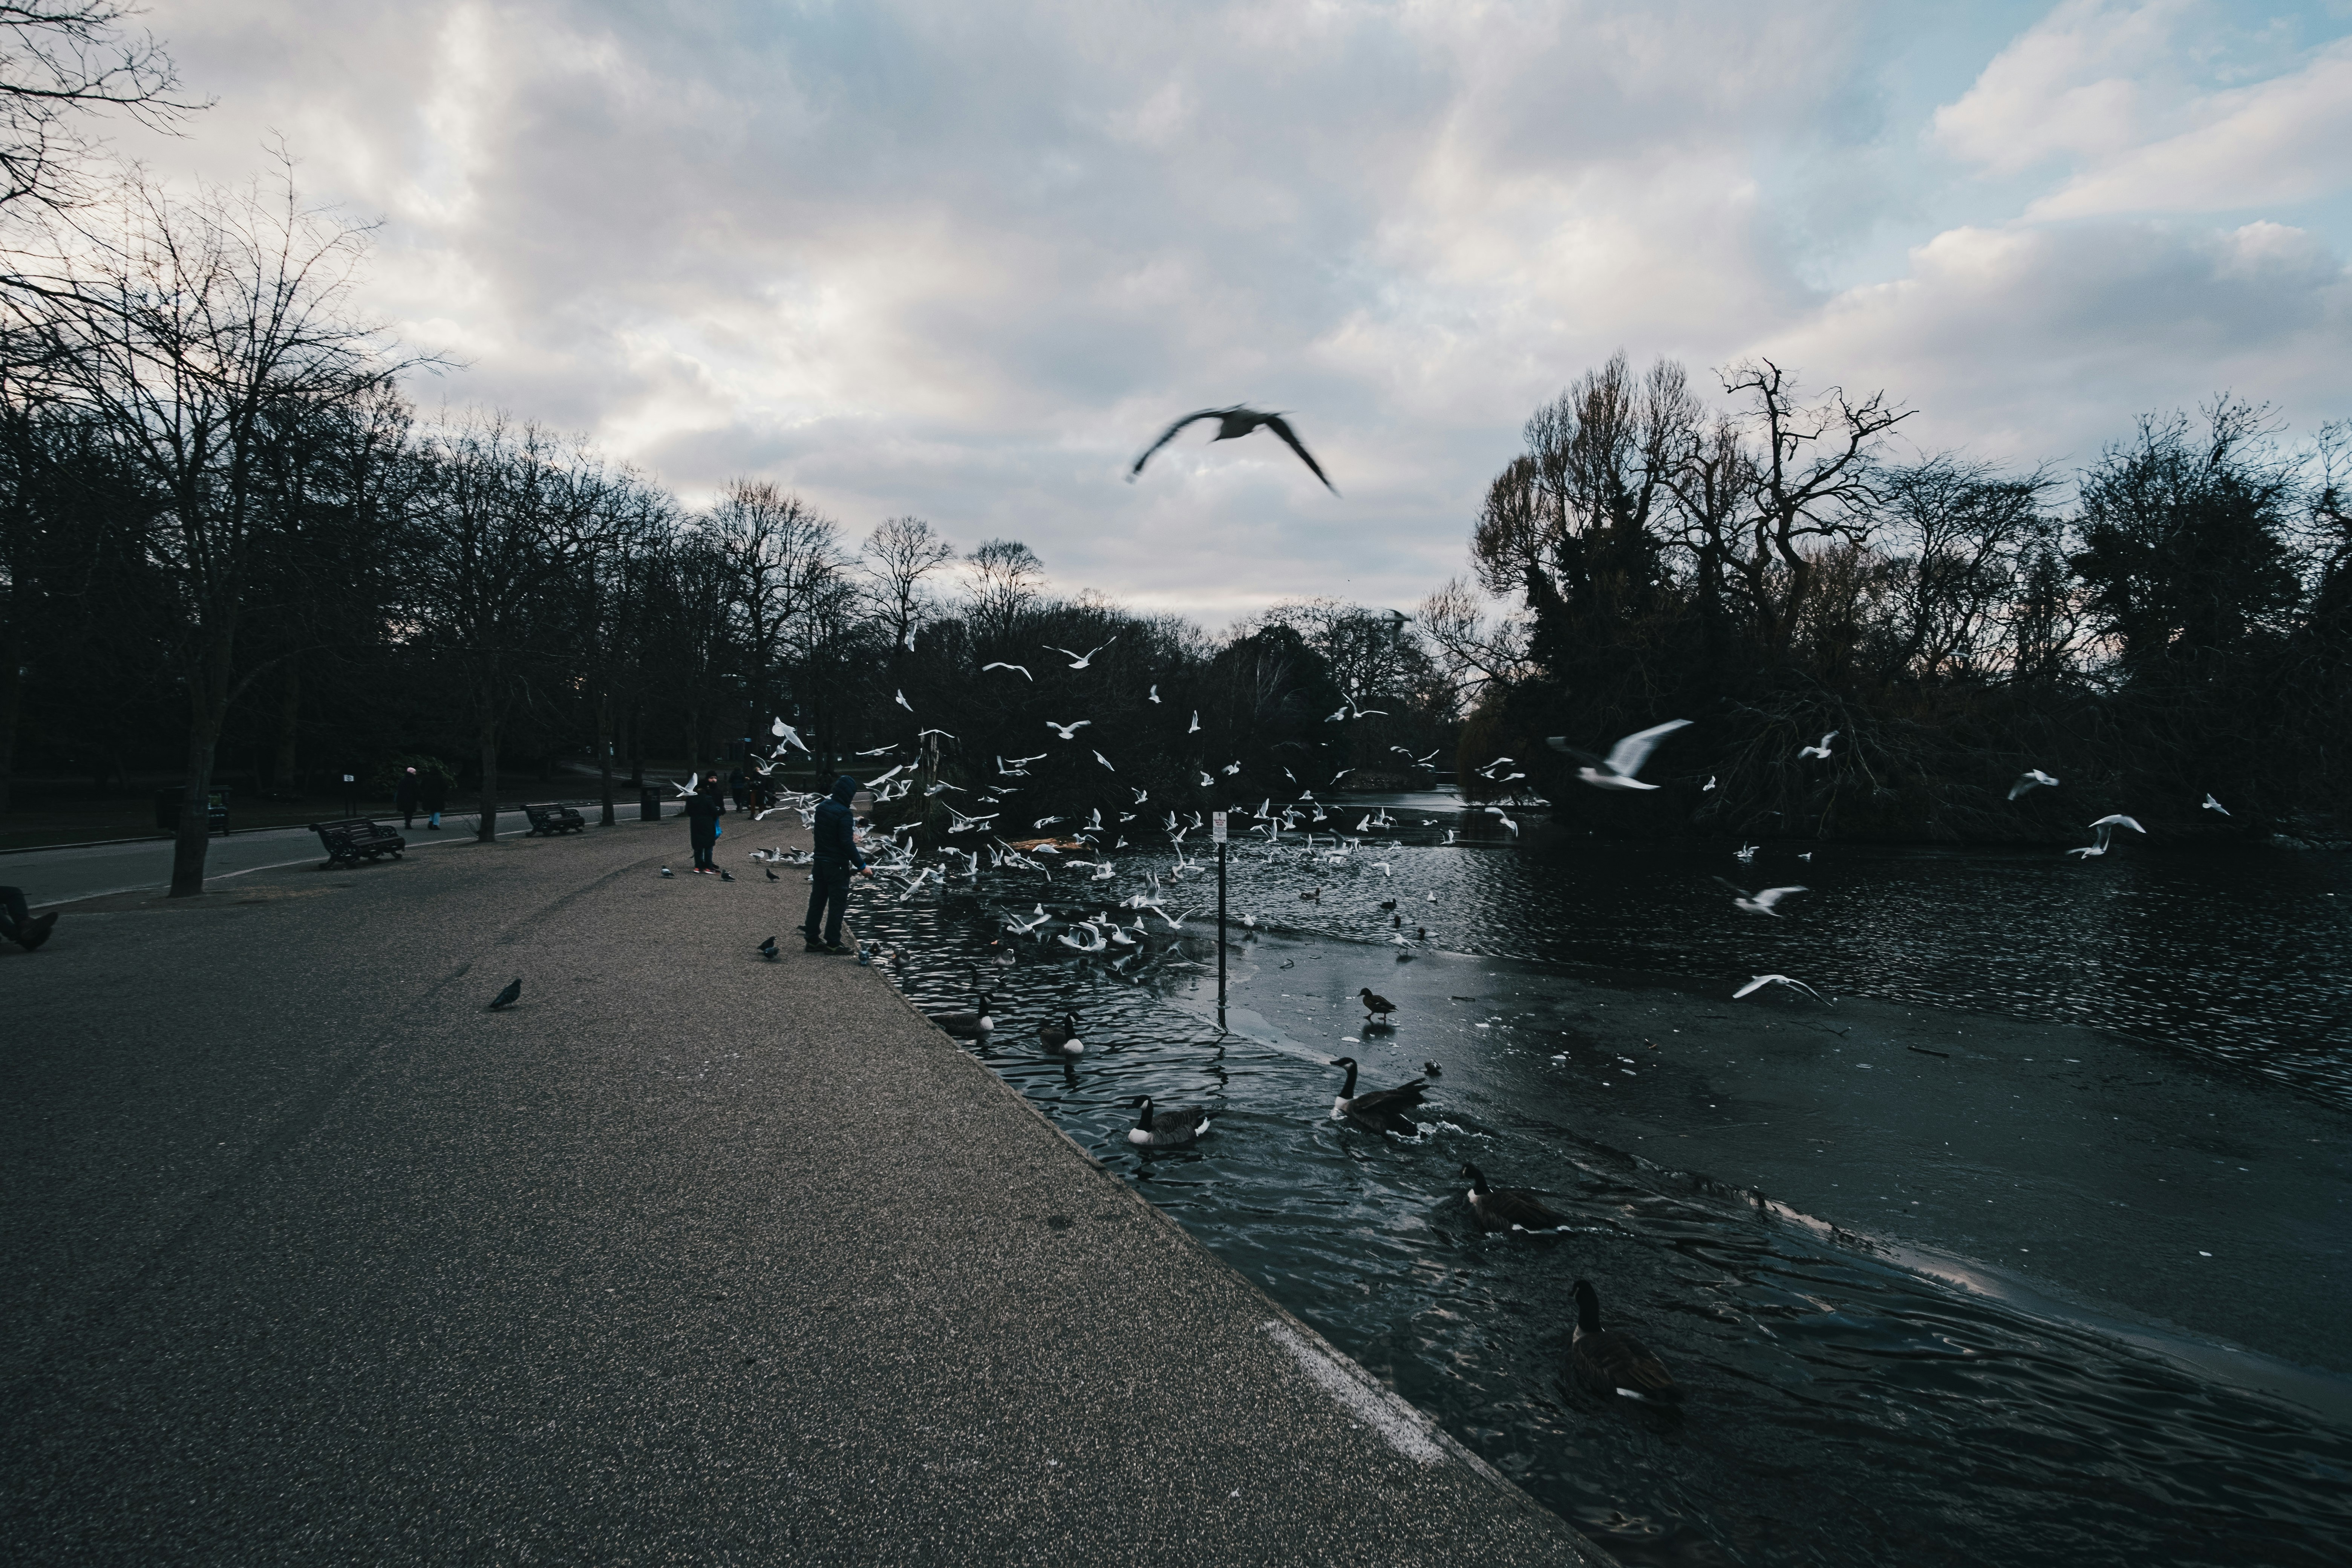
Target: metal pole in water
1218 829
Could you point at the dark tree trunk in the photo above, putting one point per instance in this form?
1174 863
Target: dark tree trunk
12 699
605 750
208 691
289 713
486 831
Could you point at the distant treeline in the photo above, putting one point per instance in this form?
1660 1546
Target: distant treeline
2173 621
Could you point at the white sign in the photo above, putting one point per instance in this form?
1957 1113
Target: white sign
1216 828
349 779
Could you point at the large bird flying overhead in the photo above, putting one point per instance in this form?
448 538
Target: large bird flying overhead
1234 422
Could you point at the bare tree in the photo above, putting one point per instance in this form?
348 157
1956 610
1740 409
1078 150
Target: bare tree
1812 482
1007 579
778 552
1470 652
61 61
192 336
899 556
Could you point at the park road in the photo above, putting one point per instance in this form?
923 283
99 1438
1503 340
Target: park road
690 1257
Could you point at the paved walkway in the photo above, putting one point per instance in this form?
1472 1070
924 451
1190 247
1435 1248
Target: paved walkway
689 1257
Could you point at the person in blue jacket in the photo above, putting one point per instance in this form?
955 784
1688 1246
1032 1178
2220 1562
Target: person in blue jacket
836 854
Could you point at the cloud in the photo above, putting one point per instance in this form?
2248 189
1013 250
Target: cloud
964 260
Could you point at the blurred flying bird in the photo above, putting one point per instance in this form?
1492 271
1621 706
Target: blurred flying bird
1232 423
1820 751
1758 983
904 703
2213 805
787 734
1759 903
1068 731
1104 760
1081 660
1625 760
2106 828
1001 665
1155 692
1196 724
2031 778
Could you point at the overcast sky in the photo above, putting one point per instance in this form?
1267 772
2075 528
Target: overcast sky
965 261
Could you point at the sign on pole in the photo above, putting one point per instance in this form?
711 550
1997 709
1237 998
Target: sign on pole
1216 828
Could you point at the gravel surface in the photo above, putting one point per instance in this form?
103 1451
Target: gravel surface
689 1257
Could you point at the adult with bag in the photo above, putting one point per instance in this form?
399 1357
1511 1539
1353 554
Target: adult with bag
836 855
702 813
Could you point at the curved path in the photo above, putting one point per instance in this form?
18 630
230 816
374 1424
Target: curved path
690 1257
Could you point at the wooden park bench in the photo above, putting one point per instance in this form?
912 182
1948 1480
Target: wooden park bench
357 839
552 819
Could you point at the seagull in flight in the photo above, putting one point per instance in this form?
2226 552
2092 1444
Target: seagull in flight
2213 805
1760 903
1196 724
1758 983
1001 665
1083 659
1822 751
1232 423
1068 731
1625 760
2106 828
2034 778
1155 692
904 703
1104 760
786 734
1232 768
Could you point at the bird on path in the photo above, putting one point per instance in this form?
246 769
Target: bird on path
1758 983
1374 1105
1508 1208
1068 732
1375 1004
1820 751
1431 1069
1611 1360
772 874
1166 1129
508 998
1082 659
2213 805
1001 665
726 876
1625 760
768 948
2031 779
2106 828
1232 424
1759 903
668 872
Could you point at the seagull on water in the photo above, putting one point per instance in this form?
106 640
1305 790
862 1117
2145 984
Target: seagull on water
1232 423
1625 760
1759 903
1758 983
2031 778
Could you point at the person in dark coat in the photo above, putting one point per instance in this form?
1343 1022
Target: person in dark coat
738 786
702 814
836 854
403 798
431 795
19 924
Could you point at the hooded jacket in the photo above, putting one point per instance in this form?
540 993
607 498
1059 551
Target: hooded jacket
836 827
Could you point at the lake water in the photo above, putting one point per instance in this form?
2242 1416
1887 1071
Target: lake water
1951 1276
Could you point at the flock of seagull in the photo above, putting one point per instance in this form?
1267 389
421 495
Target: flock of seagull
1603 1361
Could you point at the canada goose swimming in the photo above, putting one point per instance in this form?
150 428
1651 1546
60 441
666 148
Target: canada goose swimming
1169 1129
1316 896
1387 904
1611 1360
1508 1208
969 1025
1377 1104
1375 1002
1062 1038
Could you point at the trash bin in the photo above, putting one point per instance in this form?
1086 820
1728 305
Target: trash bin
167 810
650 805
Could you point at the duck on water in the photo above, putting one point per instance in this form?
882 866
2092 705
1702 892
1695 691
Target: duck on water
1508 1208
1166 1129
1613 1362
1375 1106
971 1024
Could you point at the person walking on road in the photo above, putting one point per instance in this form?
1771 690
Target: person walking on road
19 924
702 814
836 854
431 795
404 799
